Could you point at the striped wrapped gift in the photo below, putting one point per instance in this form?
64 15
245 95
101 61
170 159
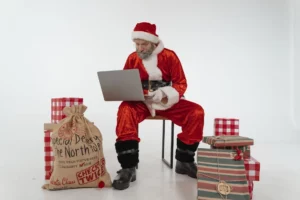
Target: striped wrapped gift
245 149
222 141
220 176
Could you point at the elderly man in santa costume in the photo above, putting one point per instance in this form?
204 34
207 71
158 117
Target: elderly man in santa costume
164 85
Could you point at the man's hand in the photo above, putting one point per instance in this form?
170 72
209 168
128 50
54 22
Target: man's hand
156 96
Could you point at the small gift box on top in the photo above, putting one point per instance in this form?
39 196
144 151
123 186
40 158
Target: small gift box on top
220 175
58 104
226 126
229 127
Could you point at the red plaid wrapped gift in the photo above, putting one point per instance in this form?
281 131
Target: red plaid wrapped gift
49 157
226 126
251 186
58 104
252 167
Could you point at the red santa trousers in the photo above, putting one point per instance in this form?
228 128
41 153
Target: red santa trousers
187 114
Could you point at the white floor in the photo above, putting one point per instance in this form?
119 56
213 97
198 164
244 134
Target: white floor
22 174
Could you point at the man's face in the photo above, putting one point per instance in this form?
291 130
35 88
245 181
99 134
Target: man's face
144 48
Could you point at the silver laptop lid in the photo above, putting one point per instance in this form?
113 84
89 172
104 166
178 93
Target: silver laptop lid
121 85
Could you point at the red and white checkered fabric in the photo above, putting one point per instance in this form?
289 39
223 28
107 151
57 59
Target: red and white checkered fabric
58 104
252 167
49 158
226 126
251 186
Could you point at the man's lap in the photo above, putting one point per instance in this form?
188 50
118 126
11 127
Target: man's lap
182 108
141 105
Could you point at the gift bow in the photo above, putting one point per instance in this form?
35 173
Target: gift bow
238 154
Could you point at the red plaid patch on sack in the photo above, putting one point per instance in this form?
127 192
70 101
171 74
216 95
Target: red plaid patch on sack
252 167
226 126
58 104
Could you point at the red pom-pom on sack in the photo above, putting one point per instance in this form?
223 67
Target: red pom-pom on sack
101 184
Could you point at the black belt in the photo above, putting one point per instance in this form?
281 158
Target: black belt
154 85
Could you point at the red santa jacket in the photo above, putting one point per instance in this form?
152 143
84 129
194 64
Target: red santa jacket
163 64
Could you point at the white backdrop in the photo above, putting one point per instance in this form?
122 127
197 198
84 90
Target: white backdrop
295 61
237 55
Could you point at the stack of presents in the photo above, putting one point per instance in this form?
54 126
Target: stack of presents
226 170
57 106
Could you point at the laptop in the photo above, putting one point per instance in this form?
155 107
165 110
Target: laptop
121 85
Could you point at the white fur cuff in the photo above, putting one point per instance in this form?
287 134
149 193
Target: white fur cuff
172 95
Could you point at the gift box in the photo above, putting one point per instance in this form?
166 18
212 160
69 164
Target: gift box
252 167
245 149
226 126
58 104
48 157
220 176
251 187
226 140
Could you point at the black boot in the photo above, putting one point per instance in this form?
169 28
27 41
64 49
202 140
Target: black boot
185 159
128 158
124 177
188 168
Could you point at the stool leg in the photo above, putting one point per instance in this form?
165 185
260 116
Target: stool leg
169 164
137 128
163 140
172 144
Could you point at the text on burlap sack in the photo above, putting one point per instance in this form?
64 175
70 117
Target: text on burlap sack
64 147
91 173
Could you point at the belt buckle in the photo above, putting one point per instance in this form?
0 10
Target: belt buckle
149 86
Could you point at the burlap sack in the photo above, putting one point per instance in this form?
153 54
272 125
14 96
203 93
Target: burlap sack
78 153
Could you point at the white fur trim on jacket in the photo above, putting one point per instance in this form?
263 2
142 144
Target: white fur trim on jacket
155 73
172 95
144 36
150 63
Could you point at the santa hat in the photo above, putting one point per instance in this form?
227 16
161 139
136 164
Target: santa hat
145 31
